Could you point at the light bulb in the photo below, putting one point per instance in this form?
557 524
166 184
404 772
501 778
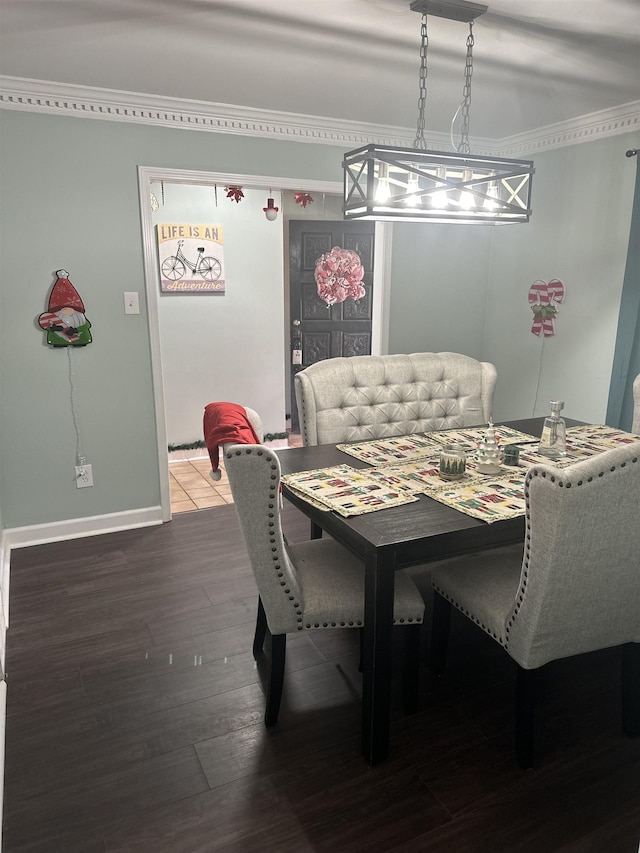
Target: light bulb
383 190
467 200
490 203
271 211
413 187
440 198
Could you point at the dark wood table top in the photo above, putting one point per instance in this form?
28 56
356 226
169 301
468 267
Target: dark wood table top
425 529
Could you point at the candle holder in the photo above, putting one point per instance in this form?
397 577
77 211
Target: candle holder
453 462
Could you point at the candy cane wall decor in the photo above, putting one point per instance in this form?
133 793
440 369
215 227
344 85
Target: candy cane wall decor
541 295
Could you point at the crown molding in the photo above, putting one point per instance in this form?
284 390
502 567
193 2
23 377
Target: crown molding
87 102
624 118
44 96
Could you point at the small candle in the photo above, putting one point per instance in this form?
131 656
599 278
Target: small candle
453 461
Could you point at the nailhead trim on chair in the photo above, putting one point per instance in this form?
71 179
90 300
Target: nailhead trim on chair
534 472
459 607
277 558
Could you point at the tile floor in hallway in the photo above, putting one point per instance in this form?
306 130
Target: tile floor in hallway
192 488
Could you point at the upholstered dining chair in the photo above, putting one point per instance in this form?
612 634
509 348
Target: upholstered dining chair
379 396
635 426
576 589
308 585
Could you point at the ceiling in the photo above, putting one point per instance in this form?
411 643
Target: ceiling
536 62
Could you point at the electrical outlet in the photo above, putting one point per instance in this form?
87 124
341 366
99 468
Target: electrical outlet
84 476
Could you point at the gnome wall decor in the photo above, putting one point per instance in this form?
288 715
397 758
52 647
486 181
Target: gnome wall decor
65 322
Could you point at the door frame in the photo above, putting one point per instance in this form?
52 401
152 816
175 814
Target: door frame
148 175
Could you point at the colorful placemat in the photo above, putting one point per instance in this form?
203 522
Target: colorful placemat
348 491
422 476
403 448
469 438
582 442
407 466
492 499
386 451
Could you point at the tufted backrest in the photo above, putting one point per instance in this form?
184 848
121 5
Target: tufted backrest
367 397
635 427
580 581
254 475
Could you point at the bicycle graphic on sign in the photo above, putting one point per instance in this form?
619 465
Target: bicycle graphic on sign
191 258
175 266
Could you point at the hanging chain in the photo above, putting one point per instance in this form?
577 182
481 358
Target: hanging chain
464 148
419 141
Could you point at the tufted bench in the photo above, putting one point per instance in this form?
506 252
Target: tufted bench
369 396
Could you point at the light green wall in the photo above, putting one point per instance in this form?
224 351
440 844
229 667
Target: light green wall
466 288
439 284
579 234
69 198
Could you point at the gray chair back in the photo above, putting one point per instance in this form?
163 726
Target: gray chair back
580 581
369 397
256 422
254 475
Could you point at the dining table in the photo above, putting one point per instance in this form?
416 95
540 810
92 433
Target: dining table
386 540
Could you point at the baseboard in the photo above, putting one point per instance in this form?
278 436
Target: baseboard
75 528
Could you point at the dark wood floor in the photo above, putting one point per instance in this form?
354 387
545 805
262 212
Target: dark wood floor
135 722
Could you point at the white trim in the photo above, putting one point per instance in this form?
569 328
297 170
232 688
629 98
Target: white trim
152 275
3 726
152 174
44 96
5 577
76 528
612 122
381 288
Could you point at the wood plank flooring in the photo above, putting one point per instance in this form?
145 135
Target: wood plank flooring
135 721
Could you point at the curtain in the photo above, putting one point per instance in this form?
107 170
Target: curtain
626 359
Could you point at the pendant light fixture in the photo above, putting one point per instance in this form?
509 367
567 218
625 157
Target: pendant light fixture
383 182
271 211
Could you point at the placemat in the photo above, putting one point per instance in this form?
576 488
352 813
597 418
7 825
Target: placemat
469 437
582 442
422 476
346 490
406 466
403 448
492 499
400 448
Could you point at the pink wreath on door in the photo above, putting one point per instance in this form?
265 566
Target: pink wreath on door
338 275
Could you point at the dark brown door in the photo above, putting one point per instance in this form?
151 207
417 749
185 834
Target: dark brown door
319 331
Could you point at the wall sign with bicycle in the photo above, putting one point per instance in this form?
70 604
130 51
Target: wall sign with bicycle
191 258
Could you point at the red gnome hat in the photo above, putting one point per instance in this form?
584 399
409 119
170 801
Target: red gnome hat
64 294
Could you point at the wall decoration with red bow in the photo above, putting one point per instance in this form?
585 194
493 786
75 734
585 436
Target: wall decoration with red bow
541 295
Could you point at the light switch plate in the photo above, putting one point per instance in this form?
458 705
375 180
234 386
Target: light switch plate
131 302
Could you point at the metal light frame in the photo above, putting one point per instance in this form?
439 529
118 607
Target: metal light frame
388 183
450 187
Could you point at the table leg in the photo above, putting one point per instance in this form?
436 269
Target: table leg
316 531
377 650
